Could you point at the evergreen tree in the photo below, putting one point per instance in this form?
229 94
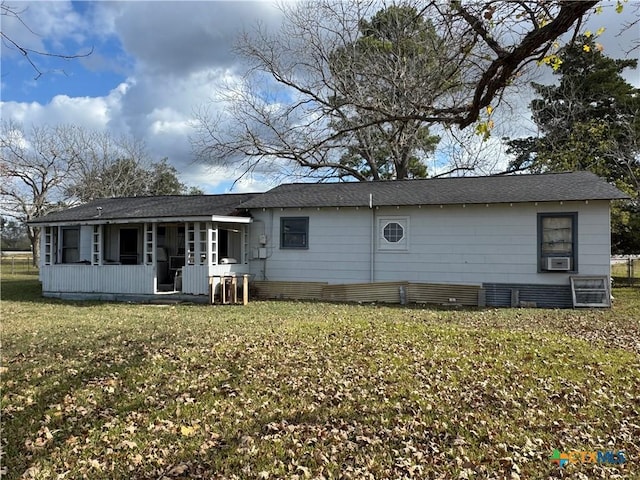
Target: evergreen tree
589 121
396 51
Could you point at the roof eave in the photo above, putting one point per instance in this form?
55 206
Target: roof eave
425 204
111 221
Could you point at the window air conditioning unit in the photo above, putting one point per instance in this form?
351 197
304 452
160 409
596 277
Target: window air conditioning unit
559 263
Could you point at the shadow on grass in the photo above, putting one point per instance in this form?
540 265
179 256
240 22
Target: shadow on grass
436 307
626 282
26 288
22 288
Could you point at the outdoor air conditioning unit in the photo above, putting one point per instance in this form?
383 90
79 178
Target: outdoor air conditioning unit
559 263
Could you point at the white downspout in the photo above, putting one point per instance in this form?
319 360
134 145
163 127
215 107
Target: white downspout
373 240
269 240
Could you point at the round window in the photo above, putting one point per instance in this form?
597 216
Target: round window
393 232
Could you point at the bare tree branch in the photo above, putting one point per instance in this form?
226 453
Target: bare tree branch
28 53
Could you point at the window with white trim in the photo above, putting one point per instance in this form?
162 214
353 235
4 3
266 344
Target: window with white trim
393 233
50 234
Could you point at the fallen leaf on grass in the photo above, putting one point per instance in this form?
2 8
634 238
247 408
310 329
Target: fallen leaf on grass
188 431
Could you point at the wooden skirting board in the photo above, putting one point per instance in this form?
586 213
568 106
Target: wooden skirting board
288 290
385 292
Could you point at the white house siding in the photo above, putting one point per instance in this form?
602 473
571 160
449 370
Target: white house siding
338 246
138 279
453 244
194 279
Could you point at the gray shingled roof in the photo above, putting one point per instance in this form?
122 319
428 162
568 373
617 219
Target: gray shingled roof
436 191
441 191
170 206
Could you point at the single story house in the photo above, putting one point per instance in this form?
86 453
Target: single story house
532 240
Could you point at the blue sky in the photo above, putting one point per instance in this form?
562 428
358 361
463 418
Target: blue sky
88 75
152 65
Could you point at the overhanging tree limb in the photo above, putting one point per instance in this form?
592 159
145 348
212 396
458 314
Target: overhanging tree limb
342 80
533 47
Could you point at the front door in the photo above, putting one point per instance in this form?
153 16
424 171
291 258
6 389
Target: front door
129 246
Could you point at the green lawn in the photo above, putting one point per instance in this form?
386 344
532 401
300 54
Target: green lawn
312 390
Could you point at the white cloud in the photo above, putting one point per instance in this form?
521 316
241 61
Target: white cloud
178 56
43 23
98 113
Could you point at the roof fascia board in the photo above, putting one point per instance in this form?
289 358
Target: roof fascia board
402 205
230 219
122 221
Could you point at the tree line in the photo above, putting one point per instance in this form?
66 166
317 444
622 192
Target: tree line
52 167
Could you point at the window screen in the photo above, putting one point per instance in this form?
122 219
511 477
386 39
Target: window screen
557 242
294 232
70 245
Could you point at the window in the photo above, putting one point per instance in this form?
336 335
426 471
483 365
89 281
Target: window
50 237
70 245
557 247
393 233
294 232
590 291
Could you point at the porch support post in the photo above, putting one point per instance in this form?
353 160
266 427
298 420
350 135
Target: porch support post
149 254
245 289
97 245
212 243
244 247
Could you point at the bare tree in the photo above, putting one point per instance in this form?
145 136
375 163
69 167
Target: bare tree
632 24
48 168
33 169
109 166
298 107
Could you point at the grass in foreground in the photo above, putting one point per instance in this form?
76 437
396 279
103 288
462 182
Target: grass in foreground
311 390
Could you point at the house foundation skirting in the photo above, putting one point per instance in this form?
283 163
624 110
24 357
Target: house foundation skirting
528 295
385 292
164 299
488 294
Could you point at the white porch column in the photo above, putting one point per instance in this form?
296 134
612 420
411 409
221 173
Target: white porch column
96 245
212 242
244 248
150 243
